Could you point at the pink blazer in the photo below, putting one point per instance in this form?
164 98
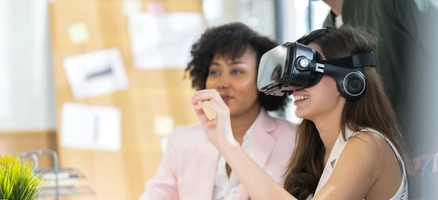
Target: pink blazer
188 168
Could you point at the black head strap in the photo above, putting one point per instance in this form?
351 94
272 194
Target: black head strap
309 37
353 61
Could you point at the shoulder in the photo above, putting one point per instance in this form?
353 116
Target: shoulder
366 148
360 162
284 130
409 5
283 125
363 151
367 138
188 135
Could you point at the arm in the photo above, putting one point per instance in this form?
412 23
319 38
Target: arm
358 168
257 183
218 130
163 185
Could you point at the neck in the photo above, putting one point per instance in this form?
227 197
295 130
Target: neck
328 134
329 127
335 5
241 123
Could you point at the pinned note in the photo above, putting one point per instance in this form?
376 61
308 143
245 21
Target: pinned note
96 73
155 8
131 7
163 125
163 41
78 33
90 127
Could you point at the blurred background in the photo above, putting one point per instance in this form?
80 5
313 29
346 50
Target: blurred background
101 82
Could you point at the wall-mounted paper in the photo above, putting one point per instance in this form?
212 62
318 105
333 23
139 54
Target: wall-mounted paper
131 7
78 33
155 8
96 73
163 125
90 127
163 41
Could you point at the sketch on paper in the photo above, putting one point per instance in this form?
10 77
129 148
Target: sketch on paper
163 41
96 73
90 127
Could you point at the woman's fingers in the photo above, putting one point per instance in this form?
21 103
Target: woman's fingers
217 128
209 99
210 109
207 95
201 114
206 121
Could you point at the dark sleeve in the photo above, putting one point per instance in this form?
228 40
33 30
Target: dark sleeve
419 19
329 20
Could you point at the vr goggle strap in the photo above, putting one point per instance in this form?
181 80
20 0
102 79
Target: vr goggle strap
353 61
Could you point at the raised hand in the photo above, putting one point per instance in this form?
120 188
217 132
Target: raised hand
218 128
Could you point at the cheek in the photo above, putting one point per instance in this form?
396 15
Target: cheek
329 93
324 90
248 82
328 83
248 85
209 83
252 91
332 87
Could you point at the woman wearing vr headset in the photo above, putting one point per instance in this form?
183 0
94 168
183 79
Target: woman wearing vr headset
225 59
348 146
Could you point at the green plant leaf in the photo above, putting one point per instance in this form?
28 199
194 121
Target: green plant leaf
18 180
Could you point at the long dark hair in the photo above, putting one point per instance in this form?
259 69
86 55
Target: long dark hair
230 40
372 110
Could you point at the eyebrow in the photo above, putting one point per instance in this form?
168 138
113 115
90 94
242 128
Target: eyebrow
228 64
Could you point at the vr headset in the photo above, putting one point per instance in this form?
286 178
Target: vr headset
294 66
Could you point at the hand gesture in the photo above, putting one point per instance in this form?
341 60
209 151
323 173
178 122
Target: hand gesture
218 128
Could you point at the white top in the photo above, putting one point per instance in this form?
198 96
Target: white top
338 21
340 143
228 188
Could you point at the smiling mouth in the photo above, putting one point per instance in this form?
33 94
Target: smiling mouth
300 97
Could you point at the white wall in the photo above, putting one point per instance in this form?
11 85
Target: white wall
27 100
257 14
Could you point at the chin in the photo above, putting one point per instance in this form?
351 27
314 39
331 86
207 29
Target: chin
299 114
302 115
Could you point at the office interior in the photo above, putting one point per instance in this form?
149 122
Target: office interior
44 107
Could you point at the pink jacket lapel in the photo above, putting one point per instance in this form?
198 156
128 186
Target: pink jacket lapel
261 145
208 158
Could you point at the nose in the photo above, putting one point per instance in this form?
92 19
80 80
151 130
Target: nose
223 82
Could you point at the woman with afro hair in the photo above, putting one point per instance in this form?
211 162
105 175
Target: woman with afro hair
225 58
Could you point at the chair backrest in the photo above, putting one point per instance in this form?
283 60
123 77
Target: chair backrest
429 178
